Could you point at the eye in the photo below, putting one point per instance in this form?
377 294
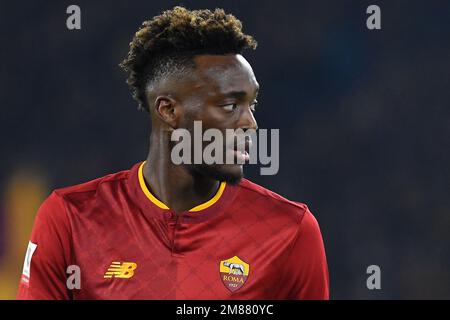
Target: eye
229 107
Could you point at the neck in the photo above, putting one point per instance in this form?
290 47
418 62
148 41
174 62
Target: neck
175 185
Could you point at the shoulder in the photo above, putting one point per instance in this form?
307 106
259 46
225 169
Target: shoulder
271 204
81 195
268 197
92 186
93 189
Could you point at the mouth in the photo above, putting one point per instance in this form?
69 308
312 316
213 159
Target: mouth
241 156
241 151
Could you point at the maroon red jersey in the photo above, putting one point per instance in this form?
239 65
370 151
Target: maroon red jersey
245 243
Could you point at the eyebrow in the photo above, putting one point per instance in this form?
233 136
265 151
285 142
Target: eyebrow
239 94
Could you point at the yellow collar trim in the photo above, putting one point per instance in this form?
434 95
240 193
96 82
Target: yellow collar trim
161 205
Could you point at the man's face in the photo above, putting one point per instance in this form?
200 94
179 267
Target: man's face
223 96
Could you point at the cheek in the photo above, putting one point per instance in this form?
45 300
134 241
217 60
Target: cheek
211 116
187 118
215 117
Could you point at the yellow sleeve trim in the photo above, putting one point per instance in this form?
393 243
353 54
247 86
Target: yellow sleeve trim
161 205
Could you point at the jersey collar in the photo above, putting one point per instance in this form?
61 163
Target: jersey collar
152 205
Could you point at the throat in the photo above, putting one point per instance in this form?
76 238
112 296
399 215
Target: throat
177 188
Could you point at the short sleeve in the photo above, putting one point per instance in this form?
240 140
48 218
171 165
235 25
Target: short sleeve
307 273
48 254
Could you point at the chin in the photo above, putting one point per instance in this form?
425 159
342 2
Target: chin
230 173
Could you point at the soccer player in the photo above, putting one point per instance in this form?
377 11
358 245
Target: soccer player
186 231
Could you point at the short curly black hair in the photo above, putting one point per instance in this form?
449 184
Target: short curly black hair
169 42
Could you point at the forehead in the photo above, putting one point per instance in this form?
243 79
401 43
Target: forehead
224 73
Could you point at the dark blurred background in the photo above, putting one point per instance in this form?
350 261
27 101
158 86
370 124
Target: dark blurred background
363 118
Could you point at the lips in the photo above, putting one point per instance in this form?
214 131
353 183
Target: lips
241 150
242 155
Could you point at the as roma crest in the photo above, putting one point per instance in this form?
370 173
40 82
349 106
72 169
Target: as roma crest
234 273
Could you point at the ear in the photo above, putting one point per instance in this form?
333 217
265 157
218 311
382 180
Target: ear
168 110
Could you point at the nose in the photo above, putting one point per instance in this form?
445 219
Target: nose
247 120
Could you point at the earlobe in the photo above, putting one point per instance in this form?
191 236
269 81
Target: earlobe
166 109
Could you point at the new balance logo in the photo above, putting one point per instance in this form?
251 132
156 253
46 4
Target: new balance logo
124 270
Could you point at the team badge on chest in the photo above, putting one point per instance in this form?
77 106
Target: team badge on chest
234 273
